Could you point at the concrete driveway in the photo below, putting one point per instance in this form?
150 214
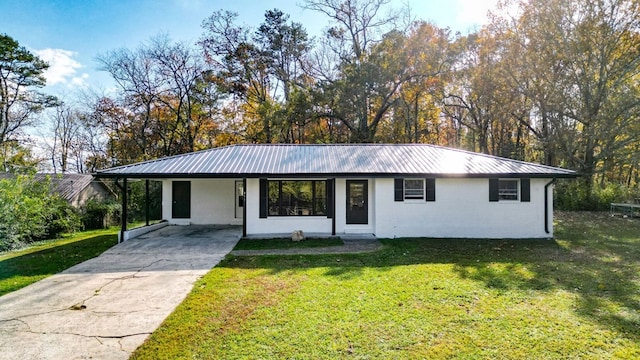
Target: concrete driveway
104 308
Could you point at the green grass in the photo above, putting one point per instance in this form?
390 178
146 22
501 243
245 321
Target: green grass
261 244
23 267
577 297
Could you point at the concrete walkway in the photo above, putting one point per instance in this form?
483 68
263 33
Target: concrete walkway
104 308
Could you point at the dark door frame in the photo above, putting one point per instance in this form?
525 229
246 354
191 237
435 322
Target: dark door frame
180 204
363 219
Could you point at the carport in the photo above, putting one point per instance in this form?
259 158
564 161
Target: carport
184 210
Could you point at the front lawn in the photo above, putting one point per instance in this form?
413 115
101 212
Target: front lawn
575 297
23 267
262 244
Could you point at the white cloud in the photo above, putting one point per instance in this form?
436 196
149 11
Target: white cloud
474 12
63 68
80 80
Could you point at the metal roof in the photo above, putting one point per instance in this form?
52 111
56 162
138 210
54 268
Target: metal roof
341 160
68 186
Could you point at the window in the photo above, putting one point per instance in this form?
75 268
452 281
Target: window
413 189
297 197
508 190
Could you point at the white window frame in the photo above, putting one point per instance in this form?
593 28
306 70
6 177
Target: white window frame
506 194
414 193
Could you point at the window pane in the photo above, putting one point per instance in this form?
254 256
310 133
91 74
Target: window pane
414 188
508 190
320 201
274 198
296 197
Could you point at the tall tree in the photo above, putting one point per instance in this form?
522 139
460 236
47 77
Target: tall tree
21 74
64 145
139 84
350 82
181 69
579 63
261 69
240 68
480 99
372 61
158 109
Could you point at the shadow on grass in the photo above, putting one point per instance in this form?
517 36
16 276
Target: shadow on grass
598 260
22 270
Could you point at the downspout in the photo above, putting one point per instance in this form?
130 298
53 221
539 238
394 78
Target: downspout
546 205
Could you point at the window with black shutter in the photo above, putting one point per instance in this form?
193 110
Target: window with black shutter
264 197
430 189
398 189
525 190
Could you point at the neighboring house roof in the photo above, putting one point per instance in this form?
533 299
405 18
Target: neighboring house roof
282 160
68 186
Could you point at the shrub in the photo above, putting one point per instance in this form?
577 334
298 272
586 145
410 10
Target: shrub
573 195
101 214
30 212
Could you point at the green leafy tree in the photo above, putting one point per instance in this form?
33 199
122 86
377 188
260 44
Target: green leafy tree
578 62
372 61
21 73
29 211
17 159
262 70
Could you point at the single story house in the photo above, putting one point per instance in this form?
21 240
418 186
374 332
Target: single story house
390 190
76 189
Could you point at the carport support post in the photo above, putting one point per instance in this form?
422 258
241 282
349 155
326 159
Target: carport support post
333 206
146 201
244 207
123 229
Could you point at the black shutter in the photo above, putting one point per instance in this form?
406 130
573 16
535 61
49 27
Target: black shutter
525 190
494 185
330 197
431 189
264 197
398 188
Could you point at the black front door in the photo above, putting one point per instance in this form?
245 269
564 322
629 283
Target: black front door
357 208
181 208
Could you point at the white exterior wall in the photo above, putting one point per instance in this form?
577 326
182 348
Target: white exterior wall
462 210
278 224
212 202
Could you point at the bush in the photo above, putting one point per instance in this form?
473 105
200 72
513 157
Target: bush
101 214
30 212
573 195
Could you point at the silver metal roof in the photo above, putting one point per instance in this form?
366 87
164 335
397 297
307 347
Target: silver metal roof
67 186
282 160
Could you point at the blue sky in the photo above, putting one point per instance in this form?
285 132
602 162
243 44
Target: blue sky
71 34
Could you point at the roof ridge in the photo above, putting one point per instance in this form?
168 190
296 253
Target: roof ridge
496 157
